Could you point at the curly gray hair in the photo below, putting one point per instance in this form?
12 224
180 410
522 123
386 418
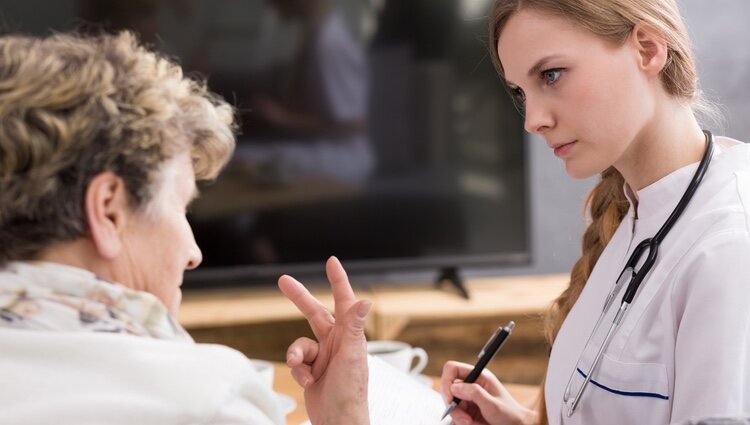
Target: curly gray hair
72 107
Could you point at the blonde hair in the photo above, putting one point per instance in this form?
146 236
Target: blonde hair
72 107
606 204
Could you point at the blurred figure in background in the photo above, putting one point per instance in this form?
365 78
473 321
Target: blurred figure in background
318 114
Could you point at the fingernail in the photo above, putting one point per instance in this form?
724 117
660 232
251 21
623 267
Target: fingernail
363 309
289 357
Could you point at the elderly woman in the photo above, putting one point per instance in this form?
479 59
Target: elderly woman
101 143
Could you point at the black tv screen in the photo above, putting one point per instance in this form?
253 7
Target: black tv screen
374 130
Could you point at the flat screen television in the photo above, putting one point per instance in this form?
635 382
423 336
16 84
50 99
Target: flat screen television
374 130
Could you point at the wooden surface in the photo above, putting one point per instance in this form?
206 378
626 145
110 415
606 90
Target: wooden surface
284 384
394 307
397 306
231 307
261 322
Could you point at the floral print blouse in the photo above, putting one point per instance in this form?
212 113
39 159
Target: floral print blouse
56 297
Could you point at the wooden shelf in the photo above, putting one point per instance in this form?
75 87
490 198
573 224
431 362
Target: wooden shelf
231 307
394 306
261 322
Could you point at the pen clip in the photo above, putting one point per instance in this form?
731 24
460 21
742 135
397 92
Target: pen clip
507 328
486 344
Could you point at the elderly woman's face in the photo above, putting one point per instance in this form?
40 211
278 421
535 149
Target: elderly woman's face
158 242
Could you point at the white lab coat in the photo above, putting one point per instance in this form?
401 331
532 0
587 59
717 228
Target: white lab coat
683 349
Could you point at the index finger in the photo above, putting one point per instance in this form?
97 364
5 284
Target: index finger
457 370
452 370
343 294
317 315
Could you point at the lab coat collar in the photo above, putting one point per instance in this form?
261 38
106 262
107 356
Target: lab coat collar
656 201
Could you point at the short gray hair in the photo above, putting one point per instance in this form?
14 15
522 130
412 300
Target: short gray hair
72 107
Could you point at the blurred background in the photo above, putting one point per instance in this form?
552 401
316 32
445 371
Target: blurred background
378 131
373 130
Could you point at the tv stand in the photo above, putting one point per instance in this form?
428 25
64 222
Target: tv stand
452 276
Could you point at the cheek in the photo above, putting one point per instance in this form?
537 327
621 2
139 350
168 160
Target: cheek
186 235
592 118
626 98
179 240
171 241
612 104
599 102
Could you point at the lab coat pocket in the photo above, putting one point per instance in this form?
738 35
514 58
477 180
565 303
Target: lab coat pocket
630 392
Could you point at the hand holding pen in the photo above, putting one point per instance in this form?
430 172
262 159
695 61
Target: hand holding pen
486 401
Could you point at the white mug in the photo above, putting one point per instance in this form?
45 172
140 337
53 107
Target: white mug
399 355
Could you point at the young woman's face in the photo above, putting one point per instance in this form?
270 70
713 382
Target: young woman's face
587 97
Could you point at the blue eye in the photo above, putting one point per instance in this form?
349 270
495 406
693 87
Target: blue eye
551 76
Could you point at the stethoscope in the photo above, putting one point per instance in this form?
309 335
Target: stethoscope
636 277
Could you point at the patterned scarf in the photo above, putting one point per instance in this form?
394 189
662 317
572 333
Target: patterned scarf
55 297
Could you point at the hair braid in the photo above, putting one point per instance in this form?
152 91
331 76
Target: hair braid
607 205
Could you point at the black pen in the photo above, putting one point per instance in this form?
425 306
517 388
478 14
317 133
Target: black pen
488 352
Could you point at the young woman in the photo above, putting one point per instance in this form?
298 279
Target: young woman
612 88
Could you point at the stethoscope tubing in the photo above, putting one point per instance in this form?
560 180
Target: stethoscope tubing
636 277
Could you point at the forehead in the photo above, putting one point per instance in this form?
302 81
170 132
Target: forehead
530 35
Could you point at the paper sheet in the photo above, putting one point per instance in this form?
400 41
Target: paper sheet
396 398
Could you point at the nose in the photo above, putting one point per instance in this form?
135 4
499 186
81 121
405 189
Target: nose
195 256
538 117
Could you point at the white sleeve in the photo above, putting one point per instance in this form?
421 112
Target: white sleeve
249 402
241 411
711 307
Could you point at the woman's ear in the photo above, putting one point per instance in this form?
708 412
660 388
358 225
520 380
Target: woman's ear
652 49
106 206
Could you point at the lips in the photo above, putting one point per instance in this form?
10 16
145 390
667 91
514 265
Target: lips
563 149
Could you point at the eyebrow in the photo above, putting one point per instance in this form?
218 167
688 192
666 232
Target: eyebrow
537 67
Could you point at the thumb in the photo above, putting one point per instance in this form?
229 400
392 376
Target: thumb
355 319
474 393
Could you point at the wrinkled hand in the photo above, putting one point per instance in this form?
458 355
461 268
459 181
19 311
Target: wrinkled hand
485 402
333 369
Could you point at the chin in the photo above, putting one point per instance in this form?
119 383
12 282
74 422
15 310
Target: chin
580 172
